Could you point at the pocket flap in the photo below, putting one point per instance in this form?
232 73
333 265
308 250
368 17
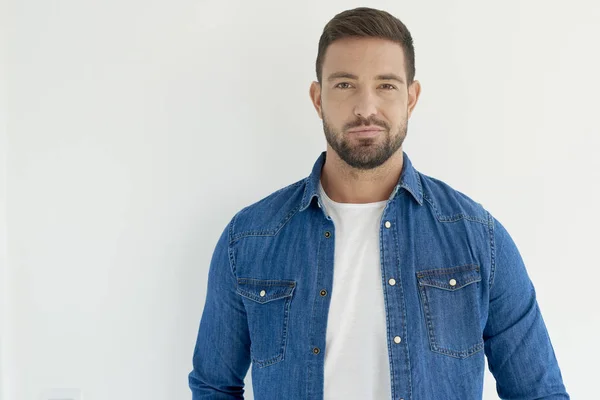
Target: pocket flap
263 291
450 278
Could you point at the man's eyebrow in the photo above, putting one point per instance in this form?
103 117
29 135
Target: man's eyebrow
389 77
337 75
382 77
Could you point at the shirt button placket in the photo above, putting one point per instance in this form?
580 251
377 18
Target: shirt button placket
392 282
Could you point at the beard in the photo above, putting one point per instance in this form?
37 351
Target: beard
365 153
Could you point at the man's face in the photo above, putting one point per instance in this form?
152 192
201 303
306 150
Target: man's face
364 87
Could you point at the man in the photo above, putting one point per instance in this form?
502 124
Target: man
369 279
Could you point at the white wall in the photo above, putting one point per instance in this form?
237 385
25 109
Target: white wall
137 129
3 197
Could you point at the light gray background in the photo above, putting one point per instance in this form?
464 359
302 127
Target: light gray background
131 131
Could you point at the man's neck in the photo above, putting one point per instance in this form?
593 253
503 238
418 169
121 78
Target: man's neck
345 184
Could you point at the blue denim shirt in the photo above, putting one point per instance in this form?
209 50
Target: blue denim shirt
461 292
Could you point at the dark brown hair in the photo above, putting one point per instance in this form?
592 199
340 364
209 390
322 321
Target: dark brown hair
367 22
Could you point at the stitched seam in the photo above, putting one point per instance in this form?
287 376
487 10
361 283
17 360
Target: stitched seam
460 354
449 270
447 287
230 249
492 250
428 318
266 299
286 315
451 218
268 232
268 282
267 362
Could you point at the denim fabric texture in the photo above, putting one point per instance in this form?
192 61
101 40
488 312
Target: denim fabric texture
461 295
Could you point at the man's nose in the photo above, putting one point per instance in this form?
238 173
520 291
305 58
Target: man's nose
366 105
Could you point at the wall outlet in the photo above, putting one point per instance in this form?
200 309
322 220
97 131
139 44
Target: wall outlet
62 394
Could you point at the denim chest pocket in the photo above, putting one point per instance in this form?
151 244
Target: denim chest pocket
267 304
451 305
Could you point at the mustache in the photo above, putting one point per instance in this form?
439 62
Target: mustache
366 122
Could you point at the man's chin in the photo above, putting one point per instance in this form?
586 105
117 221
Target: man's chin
362 161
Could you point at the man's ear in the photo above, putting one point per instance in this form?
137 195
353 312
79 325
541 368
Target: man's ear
315 97
414 91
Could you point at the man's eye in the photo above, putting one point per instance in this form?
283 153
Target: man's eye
341 84
389 86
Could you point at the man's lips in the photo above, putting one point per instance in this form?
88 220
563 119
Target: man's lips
365 132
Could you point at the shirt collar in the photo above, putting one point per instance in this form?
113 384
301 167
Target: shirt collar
409 180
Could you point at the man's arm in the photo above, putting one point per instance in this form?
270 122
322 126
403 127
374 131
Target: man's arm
222 352
517 345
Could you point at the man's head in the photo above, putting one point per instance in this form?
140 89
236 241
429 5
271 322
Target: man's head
365 79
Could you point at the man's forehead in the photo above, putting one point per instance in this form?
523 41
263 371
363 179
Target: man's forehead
353 46
363 58
363 51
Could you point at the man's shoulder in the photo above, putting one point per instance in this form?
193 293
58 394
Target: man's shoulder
269 214
449 203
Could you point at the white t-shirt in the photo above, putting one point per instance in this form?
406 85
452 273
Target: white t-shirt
356 352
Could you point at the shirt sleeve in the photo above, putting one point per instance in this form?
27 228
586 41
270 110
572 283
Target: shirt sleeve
518 348
222 353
